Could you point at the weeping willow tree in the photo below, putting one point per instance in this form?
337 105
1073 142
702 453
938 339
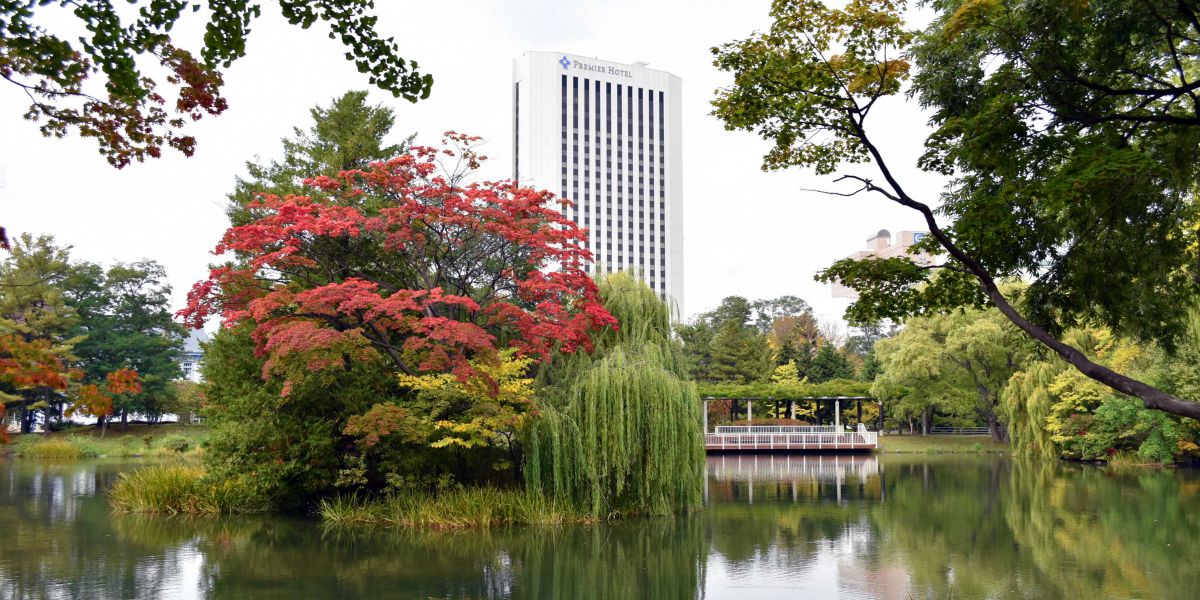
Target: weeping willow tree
1025 404
620 431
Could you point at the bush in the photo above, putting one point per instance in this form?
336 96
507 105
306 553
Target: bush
177 443
177 489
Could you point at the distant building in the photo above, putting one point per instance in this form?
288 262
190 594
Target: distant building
193 355
608 136
880 246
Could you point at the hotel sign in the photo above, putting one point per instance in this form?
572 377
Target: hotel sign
582 66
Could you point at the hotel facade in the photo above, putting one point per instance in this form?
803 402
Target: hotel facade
607 136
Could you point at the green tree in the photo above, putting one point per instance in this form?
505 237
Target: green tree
125 321
1069 131
829 363
739 355
957 363
35 311
348 134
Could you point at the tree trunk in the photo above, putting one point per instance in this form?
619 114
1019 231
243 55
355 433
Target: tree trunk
998 431
124 421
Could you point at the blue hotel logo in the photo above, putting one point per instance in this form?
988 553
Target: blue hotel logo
565 62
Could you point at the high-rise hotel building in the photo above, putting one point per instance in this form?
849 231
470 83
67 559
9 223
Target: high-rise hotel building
607 136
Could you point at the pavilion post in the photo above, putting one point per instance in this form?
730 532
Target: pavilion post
705 408
837 415
749 411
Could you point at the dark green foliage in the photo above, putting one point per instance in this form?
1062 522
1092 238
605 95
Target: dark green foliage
348 134
739 355
620 432
125 321
730 341
829 363
292 446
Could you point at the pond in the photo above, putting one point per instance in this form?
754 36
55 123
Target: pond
817 526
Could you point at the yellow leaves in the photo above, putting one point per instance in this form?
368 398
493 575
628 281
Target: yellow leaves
970 15
880 78
498 399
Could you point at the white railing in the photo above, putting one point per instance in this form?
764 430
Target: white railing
776 429
791 441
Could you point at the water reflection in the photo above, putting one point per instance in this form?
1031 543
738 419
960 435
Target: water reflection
782 526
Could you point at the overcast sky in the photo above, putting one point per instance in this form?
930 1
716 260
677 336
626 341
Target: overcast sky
747 232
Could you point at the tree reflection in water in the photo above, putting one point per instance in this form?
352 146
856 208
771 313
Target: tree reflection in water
888 527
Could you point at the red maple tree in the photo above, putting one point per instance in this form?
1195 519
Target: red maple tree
406 261
28 364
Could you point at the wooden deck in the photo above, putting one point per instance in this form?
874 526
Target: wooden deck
789 439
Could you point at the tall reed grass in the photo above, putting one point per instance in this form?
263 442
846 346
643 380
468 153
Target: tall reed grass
459 508
183 489
58 448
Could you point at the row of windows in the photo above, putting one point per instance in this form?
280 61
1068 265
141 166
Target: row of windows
591 155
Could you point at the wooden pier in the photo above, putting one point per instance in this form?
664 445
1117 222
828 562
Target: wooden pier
789 438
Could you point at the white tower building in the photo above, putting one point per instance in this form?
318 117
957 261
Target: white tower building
607 136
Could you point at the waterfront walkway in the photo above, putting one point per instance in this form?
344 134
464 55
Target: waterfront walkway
789 438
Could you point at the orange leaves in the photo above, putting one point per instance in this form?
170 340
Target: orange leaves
124 381
97 401
30 364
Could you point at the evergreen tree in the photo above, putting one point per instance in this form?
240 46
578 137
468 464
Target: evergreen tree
348 134
740 355
125 322
829 363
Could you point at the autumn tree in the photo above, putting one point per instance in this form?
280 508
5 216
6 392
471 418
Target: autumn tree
1068 131
36 330
407 261
390 274
98 85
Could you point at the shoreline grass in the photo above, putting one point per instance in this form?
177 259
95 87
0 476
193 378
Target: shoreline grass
464 508
182 489
167 440
941 444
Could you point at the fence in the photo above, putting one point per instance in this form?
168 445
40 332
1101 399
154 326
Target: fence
960 430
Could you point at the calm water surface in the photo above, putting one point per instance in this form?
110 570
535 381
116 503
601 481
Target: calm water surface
861 527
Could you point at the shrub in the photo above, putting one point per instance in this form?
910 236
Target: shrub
177 443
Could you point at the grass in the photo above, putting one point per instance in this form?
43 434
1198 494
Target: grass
182 489
941 444
462 508
167 440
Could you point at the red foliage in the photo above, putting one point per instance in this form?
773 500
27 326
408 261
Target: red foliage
406 262
30 364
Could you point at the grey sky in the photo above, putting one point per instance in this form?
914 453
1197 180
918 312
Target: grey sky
747 232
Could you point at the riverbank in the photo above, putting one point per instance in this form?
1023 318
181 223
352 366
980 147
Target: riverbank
941 444
183 489
163 440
